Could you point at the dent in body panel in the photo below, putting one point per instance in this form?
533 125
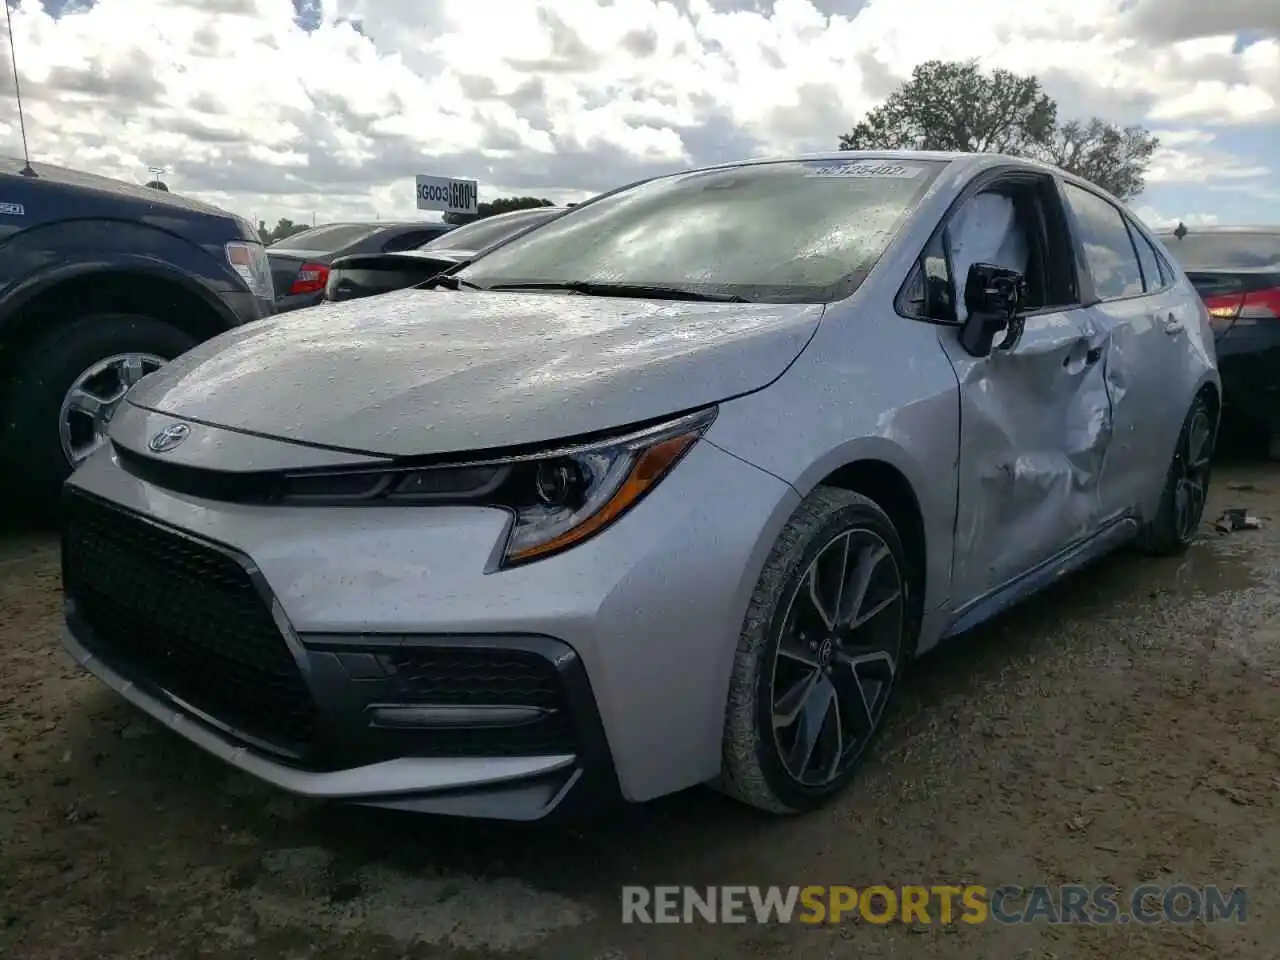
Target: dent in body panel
1035 422
1156 360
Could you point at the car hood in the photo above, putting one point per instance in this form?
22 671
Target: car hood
420 372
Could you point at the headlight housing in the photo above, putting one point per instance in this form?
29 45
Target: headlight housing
559 497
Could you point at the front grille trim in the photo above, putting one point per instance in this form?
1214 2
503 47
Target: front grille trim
524 671
297 753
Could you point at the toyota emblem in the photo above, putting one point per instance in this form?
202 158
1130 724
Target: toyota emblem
169 438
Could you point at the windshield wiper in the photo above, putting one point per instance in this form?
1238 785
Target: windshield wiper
450 282
593 289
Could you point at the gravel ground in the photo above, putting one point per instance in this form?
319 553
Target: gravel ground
1123 728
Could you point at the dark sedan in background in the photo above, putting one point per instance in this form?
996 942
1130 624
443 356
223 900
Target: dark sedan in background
363 275
300 263
1237 272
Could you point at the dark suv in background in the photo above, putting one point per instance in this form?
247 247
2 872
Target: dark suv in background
300 263
102 282
1237 273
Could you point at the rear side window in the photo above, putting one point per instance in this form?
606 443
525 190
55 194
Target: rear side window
326 239
485 233
1152 275
410 240
1227 250
1109 254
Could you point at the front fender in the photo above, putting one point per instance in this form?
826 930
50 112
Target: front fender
38 259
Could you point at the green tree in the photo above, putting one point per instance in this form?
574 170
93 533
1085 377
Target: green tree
158 185
284 228
956 106
1116 159
501 205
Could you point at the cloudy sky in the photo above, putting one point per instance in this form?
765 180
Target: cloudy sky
276 108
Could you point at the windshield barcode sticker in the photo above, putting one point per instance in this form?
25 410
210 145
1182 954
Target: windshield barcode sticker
864 169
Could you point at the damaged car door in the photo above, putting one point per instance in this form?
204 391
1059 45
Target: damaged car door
1034 413
1143 322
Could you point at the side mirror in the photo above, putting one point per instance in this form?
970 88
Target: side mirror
993 296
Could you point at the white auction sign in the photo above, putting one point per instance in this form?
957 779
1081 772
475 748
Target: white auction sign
446 194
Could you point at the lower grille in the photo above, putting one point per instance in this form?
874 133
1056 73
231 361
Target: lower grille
184 617
479 676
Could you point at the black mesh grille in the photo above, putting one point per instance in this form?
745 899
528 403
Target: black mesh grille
480 676
185 617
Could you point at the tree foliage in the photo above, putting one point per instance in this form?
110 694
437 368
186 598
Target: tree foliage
501 205
1116 159
158 185
284 228
956 106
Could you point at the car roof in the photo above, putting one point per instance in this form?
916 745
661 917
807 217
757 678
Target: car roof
974 161
49 173
523 211
383 224
1225 228
965 164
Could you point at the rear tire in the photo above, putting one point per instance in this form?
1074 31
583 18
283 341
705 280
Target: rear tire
824 640
1171 531
42 373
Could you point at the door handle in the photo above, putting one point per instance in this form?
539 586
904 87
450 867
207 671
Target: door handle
1172 326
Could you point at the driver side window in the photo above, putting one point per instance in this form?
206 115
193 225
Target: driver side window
987 229
928 292
1016 224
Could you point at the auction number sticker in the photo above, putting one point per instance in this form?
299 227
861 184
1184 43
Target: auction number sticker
864 169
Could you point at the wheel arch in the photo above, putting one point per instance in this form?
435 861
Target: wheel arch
888 486
1211 391
149 289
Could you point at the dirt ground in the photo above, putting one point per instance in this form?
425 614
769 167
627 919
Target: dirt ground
1124 728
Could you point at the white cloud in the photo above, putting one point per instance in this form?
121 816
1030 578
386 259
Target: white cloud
1160 220
564 98
1189 156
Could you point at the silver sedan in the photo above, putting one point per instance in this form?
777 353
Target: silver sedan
669 490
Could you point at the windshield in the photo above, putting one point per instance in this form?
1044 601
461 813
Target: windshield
792 232
487 232
326 239
1232 251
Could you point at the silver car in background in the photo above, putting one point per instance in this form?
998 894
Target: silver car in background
667 491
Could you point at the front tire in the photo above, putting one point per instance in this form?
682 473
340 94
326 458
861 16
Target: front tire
821 651
73 363
1186 489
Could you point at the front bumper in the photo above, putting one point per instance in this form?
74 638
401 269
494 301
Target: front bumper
507 788
627 640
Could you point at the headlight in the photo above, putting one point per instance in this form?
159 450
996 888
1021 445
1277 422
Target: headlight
559 498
